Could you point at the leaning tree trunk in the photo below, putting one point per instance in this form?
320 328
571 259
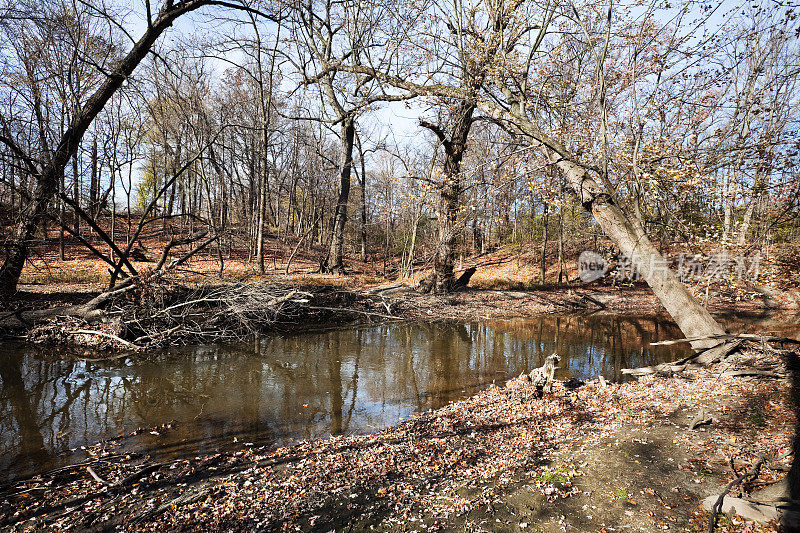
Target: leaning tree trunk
693 319
26 229
334 261
48 178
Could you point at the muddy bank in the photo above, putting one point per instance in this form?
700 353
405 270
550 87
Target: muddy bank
598 457
629 298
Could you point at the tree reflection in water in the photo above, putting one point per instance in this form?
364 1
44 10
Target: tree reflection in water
276 389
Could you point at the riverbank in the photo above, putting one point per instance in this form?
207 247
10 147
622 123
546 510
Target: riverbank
165 312
602 456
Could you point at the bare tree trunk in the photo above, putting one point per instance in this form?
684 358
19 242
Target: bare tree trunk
364 217
76 193
731 189
24 232
748 216
94 185
758 191
262 200
347 135
443 261
545 217
265 109
363 182
61 255
450 195
560 248
561 236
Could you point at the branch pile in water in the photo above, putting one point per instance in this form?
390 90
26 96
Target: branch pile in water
160 314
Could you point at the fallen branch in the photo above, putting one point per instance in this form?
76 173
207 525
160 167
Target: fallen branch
706 357
177 242
108 336
95 476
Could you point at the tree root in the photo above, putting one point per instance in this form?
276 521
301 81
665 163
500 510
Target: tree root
715 509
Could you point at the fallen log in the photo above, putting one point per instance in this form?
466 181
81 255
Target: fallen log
743 336
705 357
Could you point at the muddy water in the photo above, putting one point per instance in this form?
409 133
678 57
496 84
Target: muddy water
277 389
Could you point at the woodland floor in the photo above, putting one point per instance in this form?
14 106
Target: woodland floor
605 457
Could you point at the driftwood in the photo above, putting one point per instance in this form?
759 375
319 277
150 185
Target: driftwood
730 343
705 357
742 336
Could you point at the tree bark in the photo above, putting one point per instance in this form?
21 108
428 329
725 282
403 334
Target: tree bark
334 264
450 195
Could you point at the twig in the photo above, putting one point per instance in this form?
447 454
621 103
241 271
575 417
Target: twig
96 477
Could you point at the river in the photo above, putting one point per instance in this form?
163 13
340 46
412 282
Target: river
278 389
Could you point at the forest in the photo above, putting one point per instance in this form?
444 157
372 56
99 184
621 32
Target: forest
413 237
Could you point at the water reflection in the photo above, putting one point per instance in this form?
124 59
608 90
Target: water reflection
301 386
